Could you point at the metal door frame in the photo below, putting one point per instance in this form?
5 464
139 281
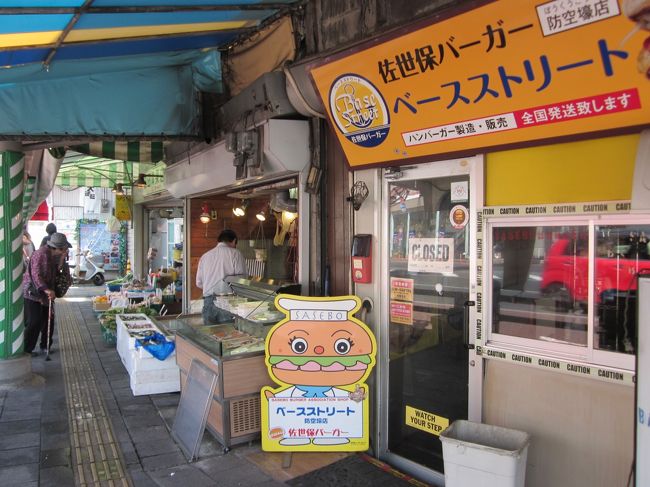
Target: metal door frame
472 166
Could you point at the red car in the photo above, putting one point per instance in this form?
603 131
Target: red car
567 263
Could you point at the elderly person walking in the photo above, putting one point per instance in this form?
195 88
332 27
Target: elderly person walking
38 291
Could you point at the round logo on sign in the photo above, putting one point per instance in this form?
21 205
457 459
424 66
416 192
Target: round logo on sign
359 111
458 216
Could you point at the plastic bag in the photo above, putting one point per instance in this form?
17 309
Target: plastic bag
113 225
157 345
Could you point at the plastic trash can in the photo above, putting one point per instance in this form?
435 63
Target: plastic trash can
482 455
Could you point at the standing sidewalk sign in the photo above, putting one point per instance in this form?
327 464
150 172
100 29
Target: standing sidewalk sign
319 355
642 442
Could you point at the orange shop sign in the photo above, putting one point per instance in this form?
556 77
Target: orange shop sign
508 72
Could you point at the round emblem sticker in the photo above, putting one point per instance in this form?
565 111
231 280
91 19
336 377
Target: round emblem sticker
458 216
359 111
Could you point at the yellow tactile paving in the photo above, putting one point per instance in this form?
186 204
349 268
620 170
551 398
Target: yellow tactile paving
96 456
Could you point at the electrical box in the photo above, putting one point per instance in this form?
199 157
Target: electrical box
362 258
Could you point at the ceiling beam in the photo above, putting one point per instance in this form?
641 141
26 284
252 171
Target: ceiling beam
140 9
46 142
66 31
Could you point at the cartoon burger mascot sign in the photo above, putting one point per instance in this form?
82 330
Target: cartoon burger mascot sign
320 355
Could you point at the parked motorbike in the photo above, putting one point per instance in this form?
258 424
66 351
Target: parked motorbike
94 272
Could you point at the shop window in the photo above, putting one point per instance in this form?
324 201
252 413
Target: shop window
621 254
568 286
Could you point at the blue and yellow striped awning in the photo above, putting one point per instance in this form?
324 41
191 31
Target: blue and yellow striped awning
82 69
78 29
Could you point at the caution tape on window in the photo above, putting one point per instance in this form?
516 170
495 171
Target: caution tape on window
589 208
482 322
478 326
572 368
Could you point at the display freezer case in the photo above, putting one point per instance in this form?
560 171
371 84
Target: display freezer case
235 352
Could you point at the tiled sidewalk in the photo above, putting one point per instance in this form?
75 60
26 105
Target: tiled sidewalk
36 447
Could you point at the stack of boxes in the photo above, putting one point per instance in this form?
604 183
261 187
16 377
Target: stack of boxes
148 375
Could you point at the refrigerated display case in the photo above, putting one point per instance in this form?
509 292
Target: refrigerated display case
235 352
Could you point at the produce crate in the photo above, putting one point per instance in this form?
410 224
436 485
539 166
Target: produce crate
109 336
99 307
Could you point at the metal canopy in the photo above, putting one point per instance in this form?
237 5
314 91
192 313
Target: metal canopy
102 69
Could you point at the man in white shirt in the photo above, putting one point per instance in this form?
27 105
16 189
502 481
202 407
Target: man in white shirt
223 260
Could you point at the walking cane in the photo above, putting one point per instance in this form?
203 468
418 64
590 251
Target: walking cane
49 325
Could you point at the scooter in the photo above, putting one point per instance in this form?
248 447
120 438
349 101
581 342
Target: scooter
94 272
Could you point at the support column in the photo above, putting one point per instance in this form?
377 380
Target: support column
13 363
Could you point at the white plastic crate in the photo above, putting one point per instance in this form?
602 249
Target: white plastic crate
155 381
124 339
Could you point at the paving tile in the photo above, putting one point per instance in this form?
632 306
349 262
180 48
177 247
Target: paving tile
167 460
52 427
20 414
135 409
156 447
58 457
120 382
129 454
22 426
230 461
120 433
183 475
170 399
140 478
51 441
33 400
19 456
237 476
168 414
19 440
139 421
55 413
125 397
56 477
149 433
19 475
210 447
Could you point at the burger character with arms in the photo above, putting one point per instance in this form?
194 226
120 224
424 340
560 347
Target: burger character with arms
319 351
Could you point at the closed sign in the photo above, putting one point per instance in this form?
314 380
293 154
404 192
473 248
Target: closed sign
431 255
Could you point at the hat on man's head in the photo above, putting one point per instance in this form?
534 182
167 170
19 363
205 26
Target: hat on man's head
50 228
58 241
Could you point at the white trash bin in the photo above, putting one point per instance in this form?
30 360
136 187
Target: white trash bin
482 455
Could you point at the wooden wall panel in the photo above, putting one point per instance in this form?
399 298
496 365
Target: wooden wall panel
204 237
338 219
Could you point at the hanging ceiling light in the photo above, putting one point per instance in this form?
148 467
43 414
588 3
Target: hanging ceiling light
140 182
261 215
205 213
241 209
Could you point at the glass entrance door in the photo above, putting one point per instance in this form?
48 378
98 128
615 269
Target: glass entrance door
427 370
